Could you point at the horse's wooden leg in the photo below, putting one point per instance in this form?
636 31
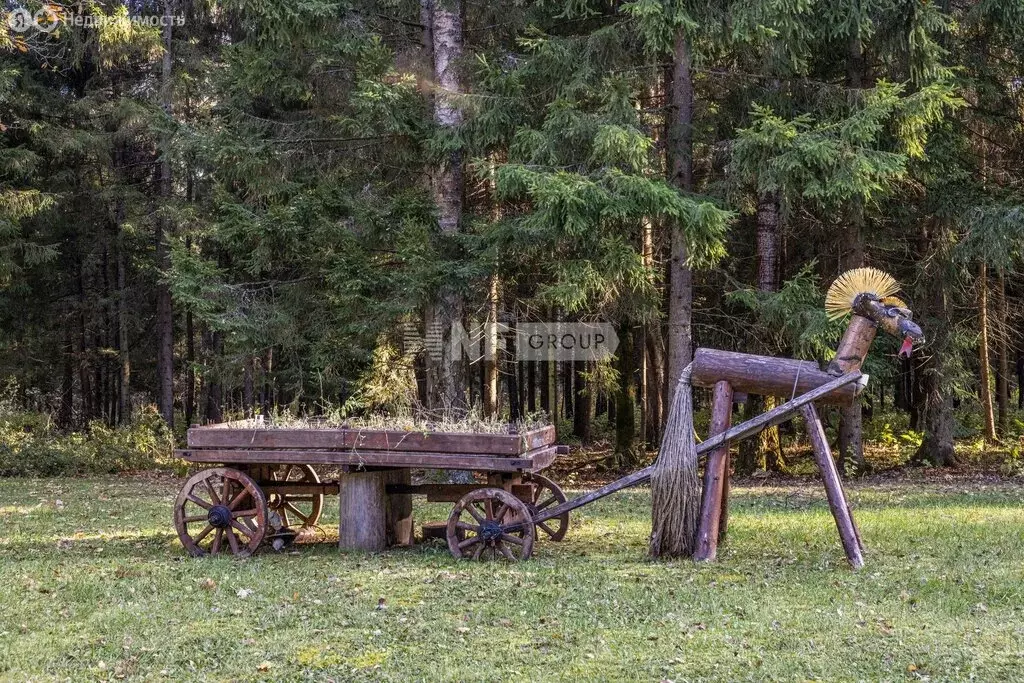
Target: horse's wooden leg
834 488
715 475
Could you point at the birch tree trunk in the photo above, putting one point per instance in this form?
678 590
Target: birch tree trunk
446 386
653 370
984 369
490 389
1002 339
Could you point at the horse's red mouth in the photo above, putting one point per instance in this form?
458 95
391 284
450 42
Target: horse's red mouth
906 348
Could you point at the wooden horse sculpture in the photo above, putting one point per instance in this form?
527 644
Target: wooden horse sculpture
867 293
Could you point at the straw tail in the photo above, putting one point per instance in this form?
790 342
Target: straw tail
675 486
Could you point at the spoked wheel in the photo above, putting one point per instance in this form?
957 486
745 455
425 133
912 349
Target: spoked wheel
297 511
546 494
490 524
220 510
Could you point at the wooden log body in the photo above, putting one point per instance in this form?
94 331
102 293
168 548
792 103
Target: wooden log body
834 488
715 476
766 375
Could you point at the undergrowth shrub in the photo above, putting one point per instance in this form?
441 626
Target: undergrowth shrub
31 445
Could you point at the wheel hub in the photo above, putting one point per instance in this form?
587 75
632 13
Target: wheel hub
490 530
219 517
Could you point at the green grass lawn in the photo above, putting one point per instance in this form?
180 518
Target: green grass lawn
93 584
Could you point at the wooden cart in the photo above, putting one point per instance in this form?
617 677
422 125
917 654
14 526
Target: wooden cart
265 491
268 492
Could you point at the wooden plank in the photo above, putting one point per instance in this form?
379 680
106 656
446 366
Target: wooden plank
741 431
222 437
765 375
534 461
715 475
834 489
452 493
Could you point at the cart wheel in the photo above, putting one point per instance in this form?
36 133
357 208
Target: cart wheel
301 509
490 524
220 510
545 494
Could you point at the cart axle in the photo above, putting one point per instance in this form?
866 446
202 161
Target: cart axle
219 517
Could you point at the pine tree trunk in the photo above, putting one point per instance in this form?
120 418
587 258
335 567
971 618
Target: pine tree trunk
65 416
768 444
212 383
164 312
768 242
544 370
932 399
124 395
553 389
190 372
446 380
268 384
625 409
680 153
851 448
655 385
984 371
937 445
1020 378
531 387
1002 357
568 395
513 374
248 390
582 411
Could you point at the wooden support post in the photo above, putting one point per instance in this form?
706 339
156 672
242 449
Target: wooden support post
714 475
834 488
362 511
399 509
